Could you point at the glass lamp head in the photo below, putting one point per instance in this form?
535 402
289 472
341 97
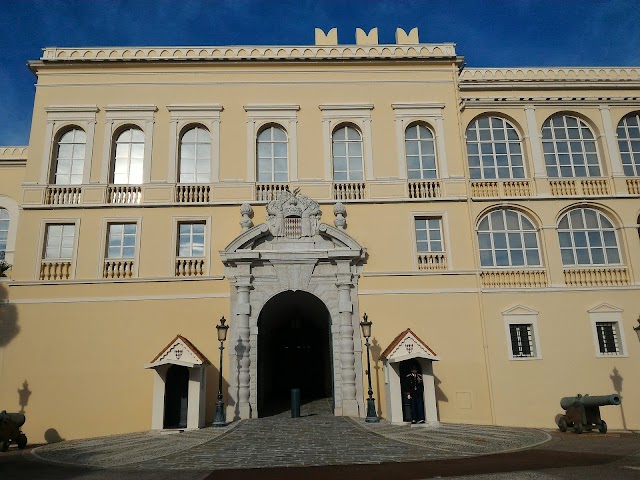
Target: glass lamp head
222 330
365 324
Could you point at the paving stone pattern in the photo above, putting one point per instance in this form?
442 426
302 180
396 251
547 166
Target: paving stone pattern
312 440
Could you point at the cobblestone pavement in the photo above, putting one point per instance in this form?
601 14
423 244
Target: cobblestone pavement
312 440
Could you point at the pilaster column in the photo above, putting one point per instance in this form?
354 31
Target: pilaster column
539 169
243 346
347 356
612 141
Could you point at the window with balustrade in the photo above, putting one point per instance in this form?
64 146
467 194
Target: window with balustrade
4 232
507 238
195 155
128 157
190 248
569 148
121 240
271 153
420 152
587 237
430 247
494 150
629 144
347 154
59 242
69 157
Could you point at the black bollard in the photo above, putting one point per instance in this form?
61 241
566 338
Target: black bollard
295 403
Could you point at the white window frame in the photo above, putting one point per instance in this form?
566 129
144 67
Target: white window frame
119 116
444 226
42 239
265 128
48 236
196 143
11 206
63 117
128 159
429 114
175 222
634 156
261 115
184 115
521 315
347 157
55 160
606 313
357 114
104 235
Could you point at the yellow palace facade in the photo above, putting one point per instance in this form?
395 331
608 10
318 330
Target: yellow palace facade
486 220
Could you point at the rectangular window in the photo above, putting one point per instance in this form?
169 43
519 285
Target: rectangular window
121 240
191 240
429 235
608 335
59 242
522 340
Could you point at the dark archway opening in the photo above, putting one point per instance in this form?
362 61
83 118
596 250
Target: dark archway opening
176 397
294 351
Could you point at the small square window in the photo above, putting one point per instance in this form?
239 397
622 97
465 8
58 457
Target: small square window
608 338
522 345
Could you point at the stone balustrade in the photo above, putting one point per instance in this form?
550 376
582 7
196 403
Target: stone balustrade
55 269
589 277
55 195
192 193
501 188
424 189
118 268
513 278
633 186
124 194
432 261
265 192
190 267
349 191
586 187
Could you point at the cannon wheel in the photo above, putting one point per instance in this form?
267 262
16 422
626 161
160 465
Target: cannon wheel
4 446
578 428
562 425
602 427
588 428
22 441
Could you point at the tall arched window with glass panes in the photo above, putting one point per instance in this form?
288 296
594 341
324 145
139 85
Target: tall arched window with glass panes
271 152
4 232
347 154
569 148
587 237
508 238
195 155
128 157
69 157
420 152
629 144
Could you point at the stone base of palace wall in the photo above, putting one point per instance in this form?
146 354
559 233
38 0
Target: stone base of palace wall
77 369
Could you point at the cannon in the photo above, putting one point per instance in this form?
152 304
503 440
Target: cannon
10 424
583 412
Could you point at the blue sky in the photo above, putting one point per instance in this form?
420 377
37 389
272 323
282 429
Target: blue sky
489 33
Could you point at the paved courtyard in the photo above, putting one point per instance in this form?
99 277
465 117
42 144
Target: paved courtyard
323 446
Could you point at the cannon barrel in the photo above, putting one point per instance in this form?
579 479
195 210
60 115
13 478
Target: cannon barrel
588 401
17 418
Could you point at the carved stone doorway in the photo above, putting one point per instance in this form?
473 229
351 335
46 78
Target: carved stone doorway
294 351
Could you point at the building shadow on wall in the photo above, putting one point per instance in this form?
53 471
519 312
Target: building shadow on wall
616 380
376 350
9 328
240 349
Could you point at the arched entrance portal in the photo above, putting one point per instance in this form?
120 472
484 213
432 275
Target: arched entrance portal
294 351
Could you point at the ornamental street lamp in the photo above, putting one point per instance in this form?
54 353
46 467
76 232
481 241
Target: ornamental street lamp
637 328
372 417
220 420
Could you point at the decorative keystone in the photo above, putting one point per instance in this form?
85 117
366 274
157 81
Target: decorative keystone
340 212
247 213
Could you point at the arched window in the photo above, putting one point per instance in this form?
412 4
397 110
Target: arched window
4 232
195 156
129 157
629 144
569 148
420 153
494 149
587 237
507 238
69 161
272 155
347 154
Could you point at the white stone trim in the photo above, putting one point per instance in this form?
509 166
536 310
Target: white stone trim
183 115
611 141
527 316
608 313
11 206
444 227
285 115
117 116
104 232
175 221
133 298
358 114
44 223
60 117
535 141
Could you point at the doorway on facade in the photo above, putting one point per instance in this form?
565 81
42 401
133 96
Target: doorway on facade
176 397
294 351
405 370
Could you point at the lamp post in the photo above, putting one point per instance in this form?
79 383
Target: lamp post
220 420
637 328
372 417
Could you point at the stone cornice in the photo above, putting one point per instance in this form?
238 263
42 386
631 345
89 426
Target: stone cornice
501 102
317 52
13 153
577 77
